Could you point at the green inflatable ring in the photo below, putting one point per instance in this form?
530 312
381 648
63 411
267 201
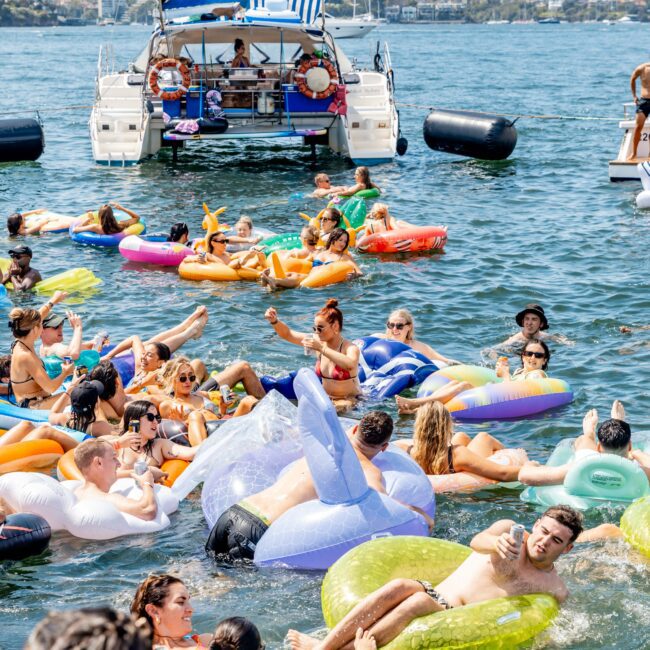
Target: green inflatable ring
498 623
635 525
287 241
372 193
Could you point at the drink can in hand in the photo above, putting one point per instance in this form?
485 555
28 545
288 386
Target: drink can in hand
67 359
225 393
140 467
517 533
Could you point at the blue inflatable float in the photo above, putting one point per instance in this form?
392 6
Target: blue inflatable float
251 452
386 368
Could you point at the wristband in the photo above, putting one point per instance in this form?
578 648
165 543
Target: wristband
275 322
49 304
149 484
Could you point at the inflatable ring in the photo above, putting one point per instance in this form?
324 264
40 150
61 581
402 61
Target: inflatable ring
302 78
29 454
23 535
591 481
498 623
66 468
411 239
77 279
173 469
167 253
170 95
635 525
95 239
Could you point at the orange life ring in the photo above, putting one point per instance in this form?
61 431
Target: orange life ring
170 95
301 78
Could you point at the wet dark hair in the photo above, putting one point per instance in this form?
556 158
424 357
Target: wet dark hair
96 628
213 236
333 212
331 313
162 349
335 235
236 633
107 373
5 365
568 517
238 43
107 220
154 590
545 347
134 411
177 231
614 435
376 428
14 222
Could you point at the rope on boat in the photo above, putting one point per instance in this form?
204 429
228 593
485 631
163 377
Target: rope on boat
49 110
523 116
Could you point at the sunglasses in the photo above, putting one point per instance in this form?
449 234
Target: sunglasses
183 378
530 353
220 241
395 326
319 328
151 417
329 219
16 256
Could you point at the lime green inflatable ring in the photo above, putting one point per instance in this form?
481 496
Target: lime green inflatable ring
635 525
498 623
287 241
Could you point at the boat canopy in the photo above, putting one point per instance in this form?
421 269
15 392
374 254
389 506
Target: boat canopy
306 9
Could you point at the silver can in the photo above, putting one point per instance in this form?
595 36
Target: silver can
140 467
517 533
225 393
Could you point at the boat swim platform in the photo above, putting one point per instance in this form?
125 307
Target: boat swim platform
243 133
625 170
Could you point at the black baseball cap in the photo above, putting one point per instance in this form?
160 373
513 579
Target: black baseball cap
53 320
21 250
84 396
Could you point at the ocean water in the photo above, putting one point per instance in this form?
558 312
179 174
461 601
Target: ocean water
544 226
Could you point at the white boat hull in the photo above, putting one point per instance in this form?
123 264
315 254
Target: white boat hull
341 28
621 168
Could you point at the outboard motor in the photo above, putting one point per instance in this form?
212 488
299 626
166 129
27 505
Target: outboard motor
21 139
465 133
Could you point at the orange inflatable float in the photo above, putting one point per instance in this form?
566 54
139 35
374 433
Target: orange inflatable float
404 240
29 454
66 468
173 468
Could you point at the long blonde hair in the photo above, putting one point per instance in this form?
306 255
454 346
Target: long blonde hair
408 317
168 372
432 434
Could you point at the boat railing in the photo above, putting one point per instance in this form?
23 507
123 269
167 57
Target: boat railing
388 64
627 105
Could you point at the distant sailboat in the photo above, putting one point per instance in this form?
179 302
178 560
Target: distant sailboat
355 27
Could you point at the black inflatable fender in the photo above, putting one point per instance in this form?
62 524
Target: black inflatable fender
23 535
21 139
465 133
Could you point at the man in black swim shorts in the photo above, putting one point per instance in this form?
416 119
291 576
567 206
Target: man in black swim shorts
237 531
642 104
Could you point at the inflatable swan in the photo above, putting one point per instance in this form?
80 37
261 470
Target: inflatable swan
252 451
89 519
643 198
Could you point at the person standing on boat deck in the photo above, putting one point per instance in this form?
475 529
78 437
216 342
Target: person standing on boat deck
240 60
642 104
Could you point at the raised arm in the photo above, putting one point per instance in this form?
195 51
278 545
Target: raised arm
348 359
496 539
170 450
282 329
129 222
59 296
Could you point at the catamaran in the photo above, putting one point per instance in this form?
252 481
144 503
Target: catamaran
290 80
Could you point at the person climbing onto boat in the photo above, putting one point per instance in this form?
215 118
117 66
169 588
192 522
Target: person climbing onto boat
147 446
535 356
335 251
499 566
179 233
16 224
240 527
438 450
240 60
20 273
401 327
98 463
337 361
31 386
324 187
361 182
165 603
108 224
614 436
641 72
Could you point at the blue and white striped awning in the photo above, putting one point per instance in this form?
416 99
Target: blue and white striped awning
306 9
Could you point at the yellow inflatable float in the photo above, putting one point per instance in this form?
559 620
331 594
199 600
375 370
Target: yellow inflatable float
316 276
215 271
72 280
635 525
498 623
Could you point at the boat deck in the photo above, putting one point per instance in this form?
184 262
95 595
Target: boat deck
246 132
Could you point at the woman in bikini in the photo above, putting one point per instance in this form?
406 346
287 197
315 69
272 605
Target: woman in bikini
379 220
336 250
337 361
361 182
535 356
438 450
108 224
164 602
32 387
155 451
216 253
192 408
